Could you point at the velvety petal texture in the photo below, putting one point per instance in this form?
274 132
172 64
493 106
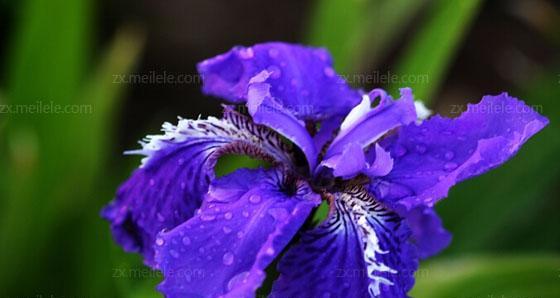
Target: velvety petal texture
428 233
175 174
361 250
432 157
301 79
245 222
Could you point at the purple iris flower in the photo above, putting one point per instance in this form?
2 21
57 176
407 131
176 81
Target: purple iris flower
378 164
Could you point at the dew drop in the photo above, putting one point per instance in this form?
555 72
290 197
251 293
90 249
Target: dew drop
322 54
329 72
201 250
237 280
246 53
450 166
245 213
255 199
207 217
152 182
449 155
174 253
186 240
275 71
420 148
228 215
273 53
240 234
159 241
226 230
228 258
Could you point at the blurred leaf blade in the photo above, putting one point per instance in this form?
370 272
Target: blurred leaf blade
46 62
487 276
104 94
358 32
432 49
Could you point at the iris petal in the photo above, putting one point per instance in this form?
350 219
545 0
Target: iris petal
302 78
432 157
428 232
361 250
266 110
365 125
178 167
245 222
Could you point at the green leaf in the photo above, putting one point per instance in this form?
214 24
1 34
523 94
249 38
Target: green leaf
490 277
433 47
359 32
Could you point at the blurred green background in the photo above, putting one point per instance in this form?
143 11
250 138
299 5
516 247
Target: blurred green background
78 86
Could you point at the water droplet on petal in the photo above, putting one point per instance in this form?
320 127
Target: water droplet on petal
159 241
207 217
279 214
240 234
228 258
201 250
329 72
273 53
275 71
226 230
420 148
246 53
237 280
186 240
449 155
270 251
152 182
174 253
160 217
450 166
255 199
245 213
228 215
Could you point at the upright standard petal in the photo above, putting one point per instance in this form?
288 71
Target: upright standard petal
266 110
361 250
175 174
432 157
302 79
364 125
245 222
